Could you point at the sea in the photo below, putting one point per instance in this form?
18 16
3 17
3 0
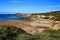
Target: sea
7 17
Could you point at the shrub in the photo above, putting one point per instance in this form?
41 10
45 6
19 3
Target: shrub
13 33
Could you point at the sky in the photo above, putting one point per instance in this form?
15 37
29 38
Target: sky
29 6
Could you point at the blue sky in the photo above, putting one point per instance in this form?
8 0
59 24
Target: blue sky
29 6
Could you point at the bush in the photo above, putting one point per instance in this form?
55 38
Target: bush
13 33
8 32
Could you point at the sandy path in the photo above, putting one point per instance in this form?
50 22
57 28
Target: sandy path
24 25
20 24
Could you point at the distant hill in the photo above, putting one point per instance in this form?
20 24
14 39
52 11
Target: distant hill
53 13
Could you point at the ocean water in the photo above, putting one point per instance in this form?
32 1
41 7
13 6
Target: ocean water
6 17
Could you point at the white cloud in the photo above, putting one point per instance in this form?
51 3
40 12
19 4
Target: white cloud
20 1
55 6
17 1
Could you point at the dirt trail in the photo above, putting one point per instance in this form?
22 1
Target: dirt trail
22 25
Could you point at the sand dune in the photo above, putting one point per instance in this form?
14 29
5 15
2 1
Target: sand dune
24 25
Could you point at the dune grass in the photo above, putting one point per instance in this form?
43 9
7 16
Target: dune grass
13 33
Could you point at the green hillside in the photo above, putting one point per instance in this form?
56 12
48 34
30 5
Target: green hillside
54 13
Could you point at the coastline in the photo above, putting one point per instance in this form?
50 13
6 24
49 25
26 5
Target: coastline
6 17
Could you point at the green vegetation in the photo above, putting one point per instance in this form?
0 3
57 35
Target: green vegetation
53 13
13 33
56 15
9 32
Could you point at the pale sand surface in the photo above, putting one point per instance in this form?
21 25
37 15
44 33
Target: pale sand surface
24 25
20 24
